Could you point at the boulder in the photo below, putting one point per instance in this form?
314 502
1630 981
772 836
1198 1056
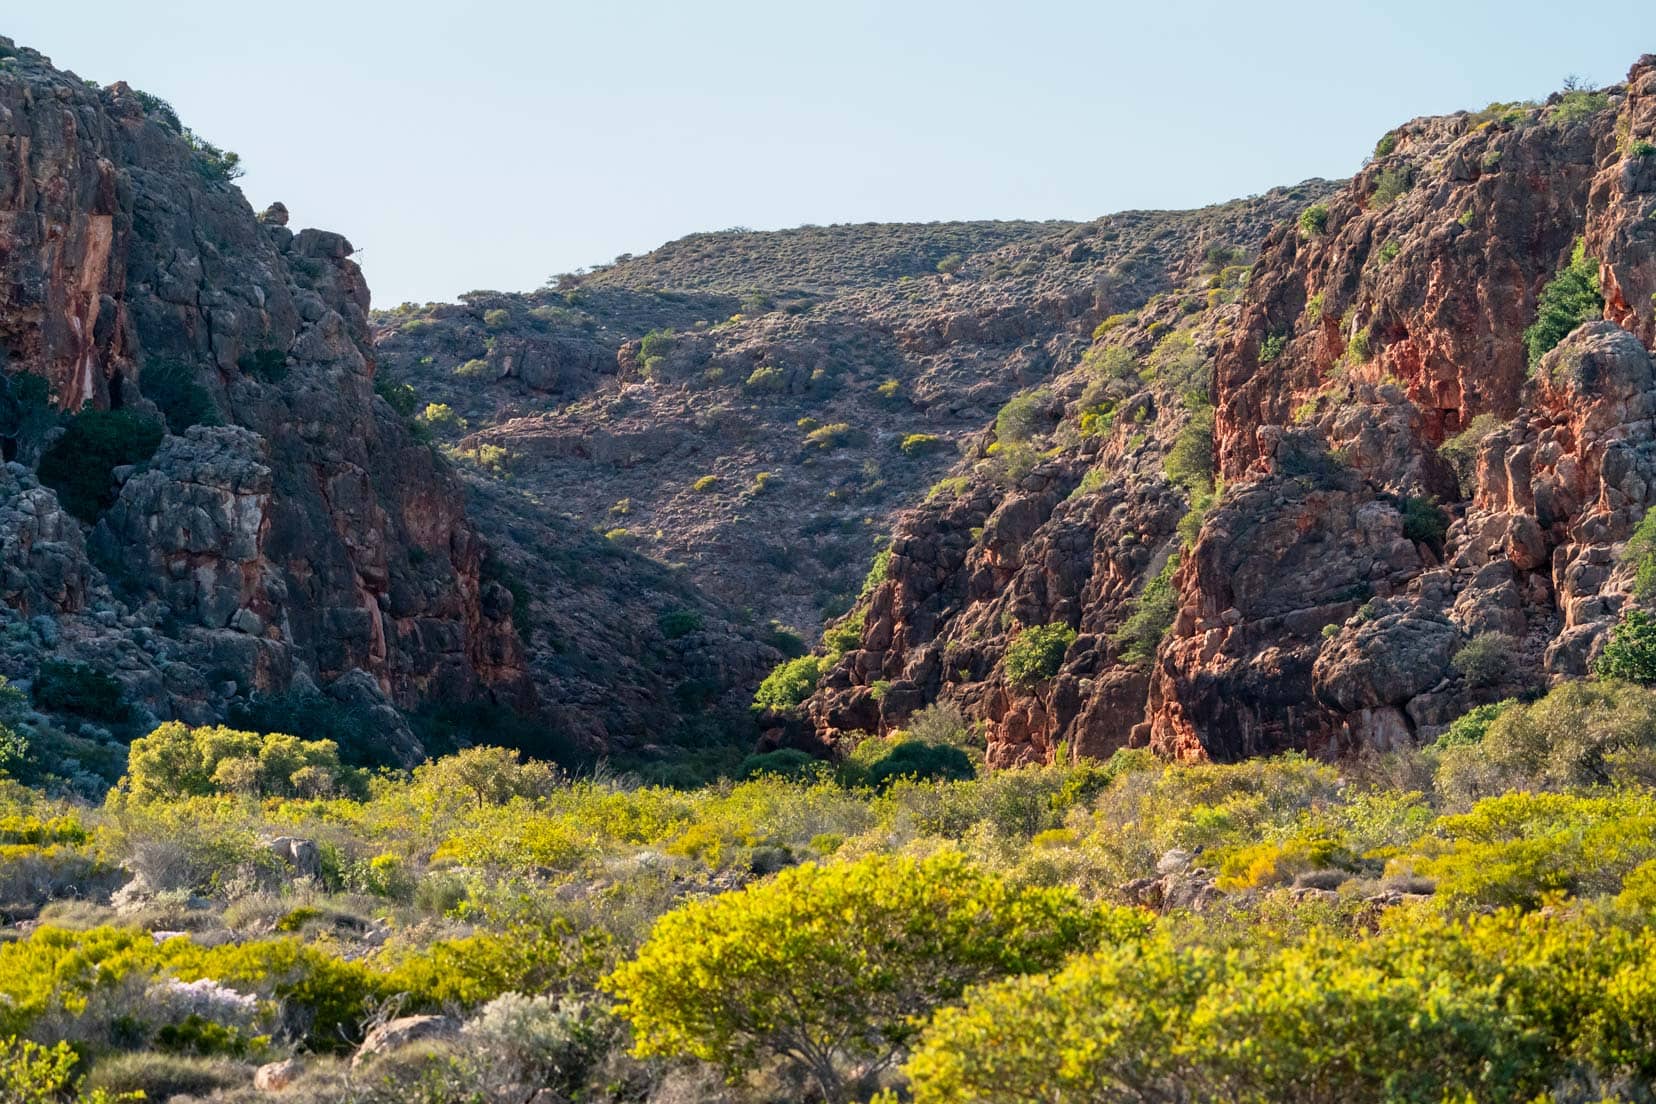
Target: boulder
277 1076
402 1031
301 854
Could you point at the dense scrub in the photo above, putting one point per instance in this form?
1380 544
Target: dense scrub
1477 916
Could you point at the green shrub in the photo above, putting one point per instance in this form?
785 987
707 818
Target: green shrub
1469 728
184 402
1036 653
1389 183
878 572
79 689
1152 615
439 416
845 635
833 436
678 623
161 109
1640 550
942 723
790 763
215 165
789 684
1189 462
766 377
1357 349
1385 145
1272 346
1178 363
1023 417
1112 322
705 483
14 747
1568 300
1098 420
1579 734
35 1074
1424 521
653 350
916 444
1313 220
920 761
950 263
1642 148
1110 362
1488 659
1579 103
1631 651
80 465
1106 1027
400 397
833 967
176 761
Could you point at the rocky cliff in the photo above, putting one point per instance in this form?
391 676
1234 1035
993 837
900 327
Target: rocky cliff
197 385
1373 507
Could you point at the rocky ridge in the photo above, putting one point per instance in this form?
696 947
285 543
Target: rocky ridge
1348 585
288 534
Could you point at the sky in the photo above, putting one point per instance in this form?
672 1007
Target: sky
493 144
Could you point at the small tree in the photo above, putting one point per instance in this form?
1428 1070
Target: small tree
1037 652
1022 417
834 969
790 683
1570 299
176 761
487 775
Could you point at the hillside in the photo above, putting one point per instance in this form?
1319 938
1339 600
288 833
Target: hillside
812 260
763 434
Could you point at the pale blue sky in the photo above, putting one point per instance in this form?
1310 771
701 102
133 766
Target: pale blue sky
492 144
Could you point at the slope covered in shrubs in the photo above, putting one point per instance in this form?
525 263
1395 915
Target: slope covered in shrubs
1477 915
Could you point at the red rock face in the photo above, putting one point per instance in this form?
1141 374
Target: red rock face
1330 596
1619 227
306 537
1314 613
63 241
